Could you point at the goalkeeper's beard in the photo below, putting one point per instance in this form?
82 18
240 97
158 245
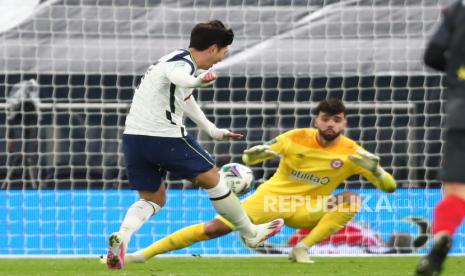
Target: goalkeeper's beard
329 137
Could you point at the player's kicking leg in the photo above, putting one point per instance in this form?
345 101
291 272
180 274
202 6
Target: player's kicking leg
228 205
346 206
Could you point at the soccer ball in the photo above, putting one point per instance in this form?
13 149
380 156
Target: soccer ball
239 178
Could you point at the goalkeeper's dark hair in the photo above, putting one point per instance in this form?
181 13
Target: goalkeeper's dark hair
213 32
331 106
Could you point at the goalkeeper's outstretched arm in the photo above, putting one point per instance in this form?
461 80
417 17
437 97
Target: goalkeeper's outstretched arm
258 154
377 175
384 181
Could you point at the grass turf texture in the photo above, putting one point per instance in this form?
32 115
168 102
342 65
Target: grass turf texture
226 266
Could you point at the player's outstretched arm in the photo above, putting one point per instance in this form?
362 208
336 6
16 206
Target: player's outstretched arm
379 177
258 154
180 76
193 111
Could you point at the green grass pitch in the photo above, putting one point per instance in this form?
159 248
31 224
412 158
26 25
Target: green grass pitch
226 266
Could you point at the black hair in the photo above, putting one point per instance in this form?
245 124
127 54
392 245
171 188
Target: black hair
331 106
213 32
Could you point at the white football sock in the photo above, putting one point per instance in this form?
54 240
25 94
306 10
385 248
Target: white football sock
136 257
228 205
139 212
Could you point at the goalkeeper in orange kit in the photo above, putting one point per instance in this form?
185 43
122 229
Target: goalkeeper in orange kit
314 161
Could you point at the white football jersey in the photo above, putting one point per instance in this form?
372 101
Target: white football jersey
158 104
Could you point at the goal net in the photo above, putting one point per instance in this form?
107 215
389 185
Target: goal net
68 69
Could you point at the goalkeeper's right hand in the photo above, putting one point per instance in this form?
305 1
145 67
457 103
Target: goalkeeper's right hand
366 160
259 149
257 154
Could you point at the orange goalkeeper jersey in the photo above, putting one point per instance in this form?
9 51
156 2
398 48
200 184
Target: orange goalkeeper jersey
307 168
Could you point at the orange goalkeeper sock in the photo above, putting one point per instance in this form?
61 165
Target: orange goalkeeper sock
331 222
179 239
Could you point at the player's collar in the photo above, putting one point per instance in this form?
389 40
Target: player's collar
192 58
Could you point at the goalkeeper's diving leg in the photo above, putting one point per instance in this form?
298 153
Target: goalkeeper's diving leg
342 209
180 239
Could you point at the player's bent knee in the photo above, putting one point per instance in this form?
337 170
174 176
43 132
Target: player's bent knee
216 228
158 197
208 179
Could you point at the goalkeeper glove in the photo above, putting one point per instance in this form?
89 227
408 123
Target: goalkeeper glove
259 149
367 161
258 153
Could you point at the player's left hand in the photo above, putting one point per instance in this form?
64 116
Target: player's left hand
366 160
208 76
224 134
234 136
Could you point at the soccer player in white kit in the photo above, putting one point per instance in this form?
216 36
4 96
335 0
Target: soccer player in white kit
155 140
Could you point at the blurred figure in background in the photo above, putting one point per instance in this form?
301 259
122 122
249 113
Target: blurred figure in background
22 124
446 52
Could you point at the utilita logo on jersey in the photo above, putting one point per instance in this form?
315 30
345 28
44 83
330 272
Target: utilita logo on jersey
309 178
